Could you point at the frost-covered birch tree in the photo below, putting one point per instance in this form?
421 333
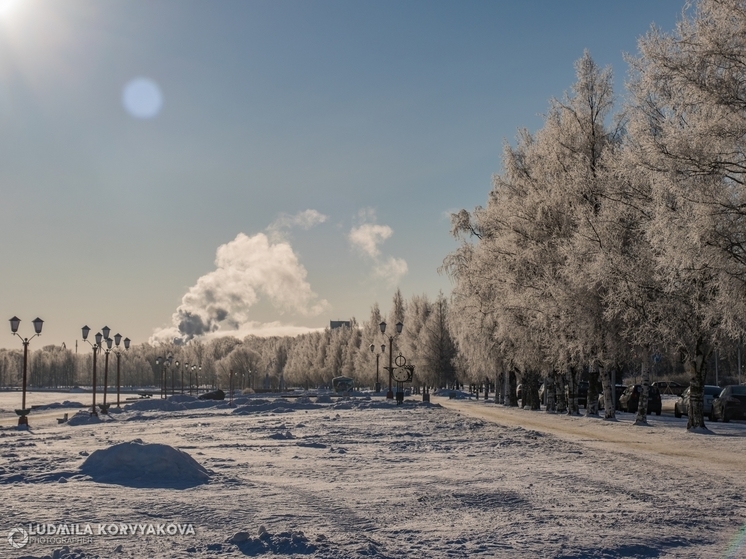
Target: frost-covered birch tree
688 131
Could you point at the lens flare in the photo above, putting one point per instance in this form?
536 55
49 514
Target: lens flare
736 544
142 98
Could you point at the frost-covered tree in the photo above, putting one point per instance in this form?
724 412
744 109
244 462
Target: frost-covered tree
688 131
520 266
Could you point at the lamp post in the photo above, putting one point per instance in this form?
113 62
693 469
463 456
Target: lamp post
117 339
173 377
96 347
383 350
14 323
104 407
399 326
196 381
165 362
191 370
186 365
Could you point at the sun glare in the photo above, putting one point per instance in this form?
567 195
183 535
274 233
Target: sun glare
8 6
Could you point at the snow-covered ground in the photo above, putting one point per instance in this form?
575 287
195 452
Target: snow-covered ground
365 478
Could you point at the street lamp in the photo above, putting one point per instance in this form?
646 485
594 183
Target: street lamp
191 370
96 347
186 364
399 326
14 323
105 407
164 362
173 377
383 350
117 339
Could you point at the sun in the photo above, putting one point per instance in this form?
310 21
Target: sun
8 6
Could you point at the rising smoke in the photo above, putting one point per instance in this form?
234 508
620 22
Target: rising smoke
246 269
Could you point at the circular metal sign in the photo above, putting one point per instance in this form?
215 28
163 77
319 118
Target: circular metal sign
400 360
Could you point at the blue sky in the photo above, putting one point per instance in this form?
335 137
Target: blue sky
379 116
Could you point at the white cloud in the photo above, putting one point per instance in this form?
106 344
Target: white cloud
367 237
247 268
392 270
304 220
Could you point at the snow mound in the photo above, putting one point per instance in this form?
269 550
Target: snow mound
155 404
57 405
323 399
139 464
274 406
62 553
281 436
284 543
83 417
182 398
203 404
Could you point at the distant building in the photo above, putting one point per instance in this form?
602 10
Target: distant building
338 324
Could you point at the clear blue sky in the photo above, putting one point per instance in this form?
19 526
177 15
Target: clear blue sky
372 113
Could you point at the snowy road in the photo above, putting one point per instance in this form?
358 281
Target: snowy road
664 440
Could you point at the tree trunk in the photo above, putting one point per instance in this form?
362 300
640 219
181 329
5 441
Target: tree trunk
609 403
642 405
512 384
696 367
531 390
550 392
572 391
591 402
560 392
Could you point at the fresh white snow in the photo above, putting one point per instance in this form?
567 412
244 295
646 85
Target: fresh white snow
328 478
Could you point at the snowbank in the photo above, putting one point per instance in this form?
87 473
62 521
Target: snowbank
57 405
261 405
155 404
83 417
284 543
139 464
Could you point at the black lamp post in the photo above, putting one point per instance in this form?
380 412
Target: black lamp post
104 406
196 380
186 365
383 350
117 340
164 362
191 370
14 323
399 326
96 347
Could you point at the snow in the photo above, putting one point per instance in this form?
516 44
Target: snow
362 477
138 464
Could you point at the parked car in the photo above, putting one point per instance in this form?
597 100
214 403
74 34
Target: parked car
669 387
731 404
631 397
681 407
619 390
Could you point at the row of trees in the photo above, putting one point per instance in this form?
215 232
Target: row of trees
608 239
307 360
